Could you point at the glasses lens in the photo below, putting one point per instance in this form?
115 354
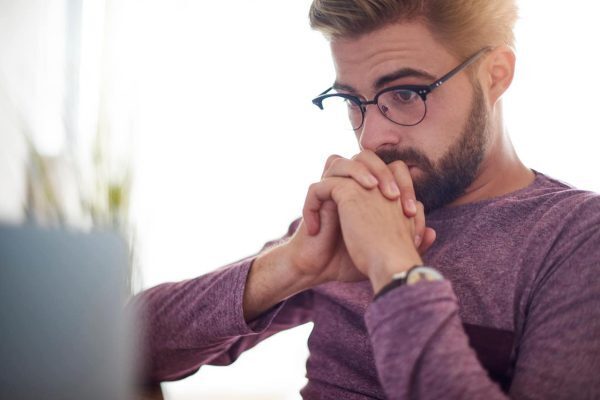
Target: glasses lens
402 106
344 108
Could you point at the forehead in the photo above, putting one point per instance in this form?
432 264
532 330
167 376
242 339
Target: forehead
360 62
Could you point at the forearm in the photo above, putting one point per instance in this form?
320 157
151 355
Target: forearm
421 350
200 321
186 324
272 279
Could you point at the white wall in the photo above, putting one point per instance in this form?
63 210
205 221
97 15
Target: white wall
552 108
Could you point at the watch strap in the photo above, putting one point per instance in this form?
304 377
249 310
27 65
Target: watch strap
398 279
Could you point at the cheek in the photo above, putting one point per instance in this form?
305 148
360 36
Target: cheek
433 140
444 123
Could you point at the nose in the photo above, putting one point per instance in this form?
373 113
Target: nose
377 131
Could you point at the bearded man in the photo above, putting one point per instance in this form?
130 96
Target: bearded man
433 264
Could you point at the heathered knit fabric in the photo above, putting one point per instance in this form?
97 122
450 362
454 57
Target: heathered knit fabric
517 317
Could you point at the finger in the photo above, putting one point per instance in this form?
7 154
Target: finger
317 194
342 167
376 166
328 163
419 224
328 215
311 219
404 181
428 238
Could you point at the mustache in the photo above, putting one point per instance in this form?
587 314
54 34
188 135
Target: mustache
409 155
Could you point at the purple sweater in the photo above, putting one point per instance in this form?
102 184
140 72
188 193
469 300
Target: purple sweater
518 316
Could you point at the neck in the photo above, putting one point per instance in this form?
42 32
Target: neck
501 171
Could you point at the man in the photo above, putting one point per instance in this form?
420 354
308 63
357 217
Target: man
433 264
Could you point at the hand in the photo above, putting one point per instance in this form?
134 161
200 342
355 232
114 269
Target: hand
317 251
394 181
351 185
321 256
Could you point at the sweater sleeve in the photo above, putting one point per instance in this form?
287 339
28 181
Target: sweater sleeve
421 349
200 321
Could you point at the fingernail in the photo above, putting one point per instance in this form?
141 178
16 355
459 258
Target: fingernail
417 240
411 206
394 190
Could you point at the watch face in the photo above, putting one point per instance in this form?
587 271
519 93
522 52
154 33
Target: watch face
419 274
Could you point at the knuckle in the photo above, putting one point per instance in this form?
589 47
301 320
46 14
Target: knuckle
361 169
337 162
398 166
365 156
408 192
358 156
338 192
346 189
331 159
371 162
368 153
338 167
312 188
382 170
355 168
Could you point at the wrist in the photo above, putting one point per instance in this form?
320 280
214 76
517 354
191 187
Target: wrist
305 264
381 274
414 275
271 279
289 271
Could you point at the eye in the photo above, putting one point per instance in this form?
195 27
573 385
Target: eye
404 96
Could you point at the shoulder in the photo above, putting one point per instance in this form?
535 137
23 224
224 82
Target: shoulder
563 232
553 223
562 206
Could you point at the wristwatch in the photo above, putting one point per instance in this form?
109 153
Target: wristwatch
418 273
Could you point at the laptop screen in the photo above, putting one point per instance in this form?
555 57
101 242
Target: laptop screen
63 332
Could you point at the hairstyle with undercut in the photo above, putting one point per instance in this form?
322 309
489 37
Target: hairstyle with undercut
463 26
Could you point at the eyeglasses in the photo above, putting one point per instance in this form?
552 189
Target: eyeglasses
403 105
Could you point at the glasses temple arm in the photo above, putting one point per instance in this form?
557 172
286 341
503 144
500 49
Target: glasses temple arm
456 70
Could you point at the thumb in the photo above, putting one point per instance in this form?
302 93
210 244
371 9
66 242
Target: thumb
429 237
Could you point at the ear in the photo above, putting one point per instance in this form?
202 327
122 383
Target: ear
497 72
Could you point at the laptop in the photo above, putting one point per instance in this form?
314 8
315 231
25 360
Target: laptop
63 332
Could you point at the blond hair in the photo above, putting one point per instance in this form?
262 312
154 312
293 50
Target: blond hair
463 26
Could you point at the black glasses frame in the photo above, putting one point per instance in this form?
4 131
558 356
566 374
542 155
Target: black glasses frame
421 90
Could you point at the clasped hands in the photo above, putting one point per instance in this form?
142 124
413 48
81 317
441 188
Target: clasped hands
362 220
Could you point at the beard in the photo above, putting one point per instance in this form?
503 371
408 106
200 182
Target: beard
447 179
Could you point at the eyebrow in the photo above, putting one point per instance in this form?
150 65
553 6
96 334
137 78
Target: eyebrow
382 81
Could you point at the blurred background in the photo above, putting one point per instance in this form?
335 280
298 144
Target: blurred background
187 126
